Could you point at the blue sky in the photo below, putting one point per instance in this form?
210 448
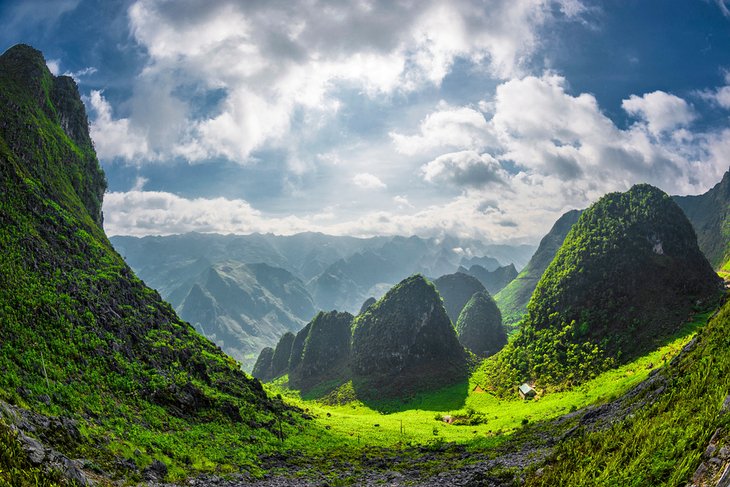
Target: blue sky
483 119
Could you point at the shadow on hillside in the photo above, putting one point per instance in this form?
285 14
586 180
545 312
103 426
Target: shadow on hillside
400 396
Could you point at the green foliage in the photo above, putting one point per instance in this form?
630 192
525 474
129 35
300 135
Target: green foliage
16 470
456 290
405 342
709 214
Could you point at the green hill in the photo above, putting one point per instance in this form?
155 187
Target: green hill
84 343
479 326
628 275
709 214
406 342
456 290
512 300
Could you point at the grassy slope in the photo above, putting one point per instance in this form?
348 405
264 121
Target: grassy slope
82 337
661 444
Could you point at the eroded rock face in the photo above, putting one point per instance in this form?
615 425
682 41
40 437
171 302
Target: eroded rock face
406 338
282 352
479 326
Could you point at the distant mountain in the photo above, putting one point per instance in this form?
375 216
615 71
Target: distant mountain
456 290
494 280
709 214
406 342
242 307
479 326
261 277
512 300
628 275
488 263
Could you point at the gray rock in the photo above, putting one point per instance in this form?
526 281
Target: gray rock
157 471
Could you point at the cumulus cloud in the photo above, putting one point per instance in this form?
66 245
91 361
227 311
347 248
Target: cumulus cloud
464 169
661 111
719 96
54 66
271 60
368 181
455 127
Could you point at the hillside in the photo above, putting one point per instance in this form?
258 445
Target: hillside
628 275
512 300
94 364
709 214
672 429
494 280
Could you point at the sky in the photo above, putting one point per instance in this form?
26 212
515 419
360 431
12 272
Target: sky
484 119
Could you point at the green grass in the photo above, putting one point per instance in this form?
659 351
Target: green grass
662 442
414 422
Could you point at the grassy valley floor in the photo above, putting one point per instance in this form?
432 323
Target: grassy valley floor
401 435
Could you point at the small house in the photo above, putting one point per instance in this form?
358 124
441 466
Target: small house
478 389
526 391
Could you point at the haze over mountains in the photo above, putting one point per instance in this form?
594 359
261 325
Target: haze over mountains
245 291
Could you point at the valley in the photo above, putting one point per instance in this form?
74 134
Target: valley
374 360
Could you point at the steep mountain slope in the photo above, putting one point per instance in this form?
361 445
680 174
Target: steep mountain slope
479 326
512 300
709 214
628 274
83 343
406 341
495 280
456 290
242 307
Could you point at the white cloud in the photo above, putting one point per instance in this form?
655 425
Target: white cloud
368 181
467 169
271 60
661 111
402 202
54 66
114 138
455 127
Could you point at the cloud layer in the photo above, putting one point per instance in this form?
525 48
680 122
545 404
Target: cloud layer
353 107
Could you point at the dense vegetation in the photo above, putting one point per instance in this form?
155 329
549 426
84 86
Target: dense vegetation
81 337
479 326
628 275
512 300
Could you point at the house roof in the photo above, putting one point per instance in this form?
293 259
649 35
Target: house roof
526 389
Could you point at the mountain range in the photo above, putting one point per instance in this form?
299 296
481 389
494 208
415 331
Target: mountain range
245 291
